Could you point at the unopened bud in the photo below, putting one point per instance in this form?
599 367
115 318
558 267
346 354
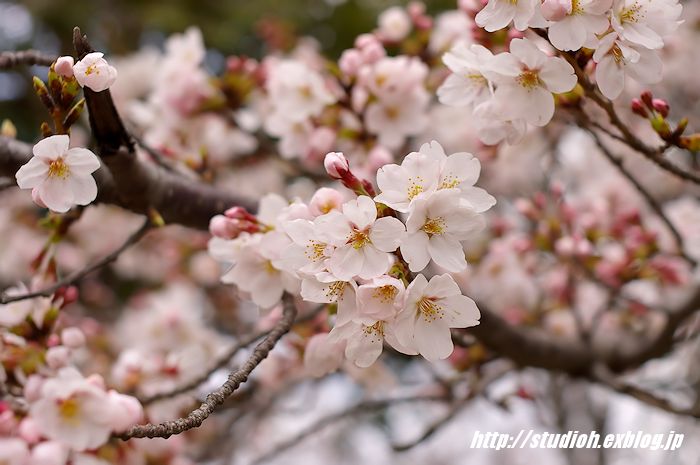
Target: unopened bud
64 66
647 97
638 108
73 337
336 165
661 106
8 129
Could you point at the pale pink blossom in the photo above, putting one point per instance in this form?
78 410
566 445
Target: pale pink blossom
394 24
431 309
323 355
64 66
584 19
59 176
94 72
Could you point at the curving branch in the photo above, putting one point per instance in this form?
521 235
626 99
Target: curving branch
80 274
25 57
213 400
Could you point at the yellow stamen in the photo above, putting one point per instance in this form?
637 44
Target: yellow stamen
429 310
315 251
359 239
335 290
434 226
385 294
529 79
69 409
415 187
58 169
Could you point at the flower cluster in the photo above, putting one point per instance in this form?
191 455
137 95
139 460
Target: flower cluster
360 254
508 90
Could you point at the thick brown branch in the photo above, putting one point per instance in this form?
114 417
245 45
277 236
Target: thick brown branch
25 57
136 185
216 398
80 274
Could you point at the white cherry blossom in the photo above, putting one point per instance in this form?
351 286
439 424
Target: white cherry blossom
466 86
94 72
297 91
618 59
362 241
58 176
460 171
364 341
431 309
526 78
400 184
325 288
498 14
646 22
435 226
584 19
379 299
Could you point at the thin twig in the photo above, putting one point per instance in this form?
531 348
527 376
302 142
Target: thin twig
651 201
478 388
603 376
361 408
80 274
213 400
221 362
25 57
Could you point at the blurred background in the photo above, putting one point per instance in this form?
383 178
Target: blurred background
119 27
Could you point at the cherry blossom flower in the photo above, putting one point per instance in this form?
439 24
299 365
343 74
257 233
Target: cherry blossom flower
400 184
94 72
583 20
526 79
323 355
362 241
498 14
618 59
76 411
436 225
431 309
460 171
364 341
297 91
324 288
379 299
466 86
309 251
646 22
64 66
394 24
58 176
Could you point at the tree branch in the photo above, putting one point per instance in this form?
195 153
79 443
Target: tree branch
216 398
25 57
80 274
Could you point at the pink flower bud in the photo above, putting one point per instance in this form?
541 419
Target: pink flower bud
565 246
325 200
58 357
64 66
378 157
350 62
70 295
29 431
638 108
336 165
96 380
364 40
53 340
32 388
661 106
73 337
126 413
37 198
647 97
555 10
222 227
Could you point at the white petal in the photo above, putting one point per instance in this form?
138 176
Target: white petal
461 311
84 189
361 212
558 75
414 250
433 339
375 263
387 233
82 161
442 286
32 173
447 253
56 194
52 147
346 262
364 348
610 78
478 198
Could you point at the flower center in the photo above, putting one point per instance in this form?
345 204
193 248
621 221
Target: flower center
576 8
477 79
529 79
429 310
450 181
632 14
58 169
305 92
335 290
434 226
375 330
359 239
91 69
269 268
315 251
616 53
415 187
385 294
69 409
391 112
